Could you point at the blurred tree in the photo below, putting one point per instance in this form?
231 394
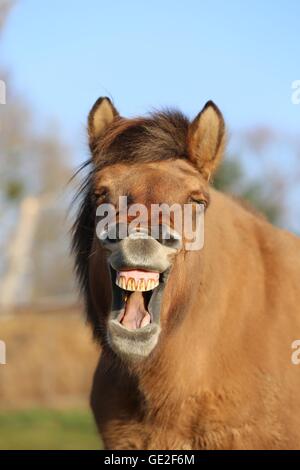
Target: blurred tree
34 166
5 6
232 179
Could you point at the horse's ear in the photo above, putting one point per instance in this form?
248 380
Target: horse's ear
101 116
206 139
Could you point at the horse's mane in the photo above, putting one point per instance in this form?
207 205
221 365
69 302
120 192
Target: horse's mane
160 136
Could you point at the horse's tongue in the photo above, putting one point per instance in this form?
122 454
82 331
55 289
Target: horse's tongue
135 316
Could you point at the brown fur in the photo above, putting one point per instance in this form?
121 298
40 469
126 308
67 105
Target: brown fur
159 137
221 375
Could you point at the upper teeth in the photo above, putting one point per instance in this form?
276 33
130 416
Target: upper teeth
139 285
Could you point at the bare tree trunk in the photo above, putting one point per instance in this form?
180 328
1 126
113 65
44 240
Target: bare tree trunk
19 252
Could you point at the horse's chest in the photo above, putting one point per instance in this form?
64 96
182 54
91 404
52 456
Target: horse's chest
214 437
196 431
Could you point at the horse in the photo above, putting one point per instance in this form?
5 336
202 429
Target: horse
196 344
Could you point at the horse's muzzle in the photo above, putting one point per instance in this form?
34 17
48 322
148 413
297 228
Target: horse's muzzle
140 266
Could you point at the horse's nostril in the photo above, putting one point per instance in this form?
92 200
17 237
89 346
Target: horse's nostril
172 242
110 240
113 233
164 234
169 237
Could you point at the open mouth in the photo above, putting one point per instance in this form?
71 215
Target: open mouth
136 297
134 322
137 286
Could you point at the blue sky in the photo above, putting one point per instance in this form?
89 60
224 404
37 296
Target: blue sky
242 54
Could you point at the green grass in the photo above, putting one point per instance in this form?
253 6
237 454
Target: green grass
48 429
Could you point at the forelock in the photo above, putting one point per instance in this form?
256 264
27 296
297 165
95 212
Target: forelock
160 136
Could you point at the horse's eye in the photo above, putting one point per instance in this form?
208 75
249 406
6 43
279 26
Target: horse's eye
100 196
200 201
